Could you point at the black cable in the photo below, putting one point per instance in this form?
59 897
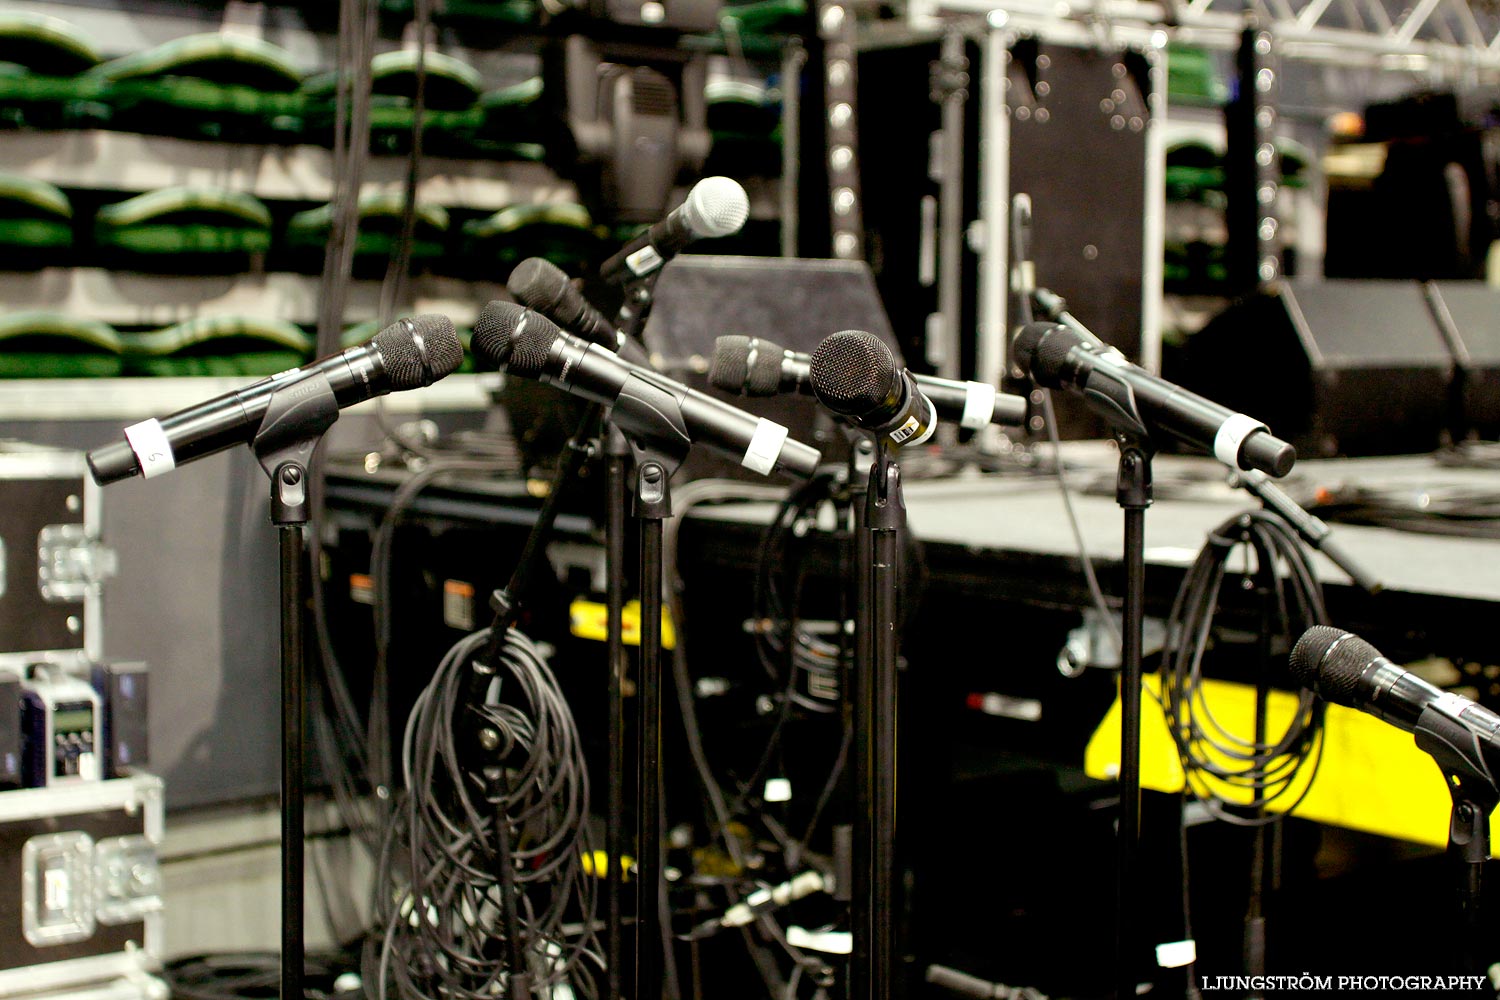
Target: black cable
479 867
1049 419
1265 770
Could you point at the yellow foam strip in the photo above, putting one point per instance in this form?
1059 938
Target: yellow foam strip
1372 777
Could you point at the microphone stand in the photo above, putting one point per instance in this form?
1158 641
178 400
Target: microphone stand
878 524
1455 748
651 421
1133 494
296 418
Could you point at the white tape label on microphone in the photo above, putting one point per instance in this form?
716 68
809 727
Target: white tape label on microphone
979 406
1231 436
644 261
765 447
153 452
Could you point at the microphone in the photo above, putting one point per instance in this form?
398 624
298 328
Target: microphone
643 402
1346 670
754 366
854 374
1128 396
408 354
716 206
541 285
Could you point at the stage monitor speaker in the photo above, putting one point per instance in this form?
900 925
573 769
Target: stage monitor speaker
1468 314
795 302
1335 367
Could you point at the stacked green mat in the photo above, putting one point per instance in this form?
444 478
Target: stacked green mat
44 81
450 94
45 344
217 345
36 223
563 233
40 344
231 87
184 229
218 86
308 233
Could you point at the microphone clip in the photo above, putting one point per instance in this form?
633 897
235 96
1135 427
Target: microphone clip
297 415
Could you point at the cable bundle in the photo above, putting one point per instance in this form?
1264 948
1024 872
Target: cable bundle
1211 755
483 861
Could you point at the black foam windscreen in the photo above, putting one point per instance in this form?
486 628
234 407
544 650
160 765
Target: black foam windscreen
1330 661
420 350
853 372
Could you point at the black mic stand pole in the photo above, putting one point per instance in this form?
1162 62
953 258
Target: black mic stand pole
873 971
651 421
617 458
1133 494
296 417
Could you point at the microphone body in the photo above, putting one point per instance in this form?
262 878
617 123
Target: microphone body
1058 357
854 374
643 402
716 206
1345 670
754 366
406 355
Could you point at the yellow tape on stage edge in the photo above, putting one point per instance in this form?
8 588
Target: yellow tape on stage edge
590 620
1372 776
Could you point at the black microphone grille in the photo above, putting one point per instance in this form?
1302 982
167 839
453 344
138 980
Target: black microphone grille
532 341
419 350
852 372
1039 350
731 365
493 332
1330 661
537 282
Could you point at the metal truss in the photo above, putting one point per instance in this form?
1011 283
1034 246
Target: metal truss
1426 35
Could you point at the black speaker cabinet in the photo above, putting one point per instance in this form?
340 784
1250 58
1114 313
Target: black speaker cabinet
1468 314
1335 367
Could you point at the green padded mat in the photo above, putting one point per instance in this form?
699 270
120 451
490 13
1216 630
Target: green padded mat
36 222
452 85
763 17
563 233
41 344
379 233
212 86
189 224
45 45
1193 77
41 59
228 59
450 112
220 346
